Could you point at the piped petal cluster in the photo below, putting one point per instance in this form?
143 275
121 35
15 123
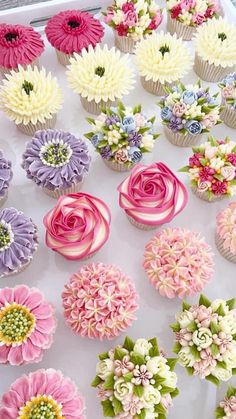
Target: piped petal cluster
227 406
226 227
193 12
5 174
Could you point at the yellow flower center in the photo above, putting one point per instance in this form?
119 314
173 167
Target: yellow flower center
16 324
41 407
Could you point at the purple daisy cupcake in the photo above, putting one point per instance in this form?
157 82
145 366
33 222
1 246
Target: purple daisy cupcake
56 161
18 241
5 178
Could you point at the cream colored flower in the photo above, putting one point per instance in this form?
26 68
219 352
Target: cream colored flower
202 337
157 364
150 397
184 319
142 346
194 173
216 163
222 374
30 95
105 368
100 74
148 142
228 324
217 303
186 358
122 389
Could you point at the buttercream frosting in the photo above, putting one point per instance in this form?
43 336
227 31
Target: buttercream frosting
5 174
228 90
193 12
226 227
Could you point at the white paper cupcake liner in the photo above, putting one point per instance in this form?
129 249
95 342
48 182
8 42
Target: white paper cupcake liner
182 31
117 167
19 270
3 199
59 192
4 71
226 253
124 43
30 128
182 140
155 87
228 115
95 108
63 58
204 195
141 226
210 72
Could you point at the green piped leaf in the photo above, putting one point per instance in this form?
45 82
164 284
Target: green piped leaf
190 370
128 377
119 353
214 349
137 359
172 363
117 406
185 306
175 393
175 327
142 414
109 383
159 409
231 391
137 109
176 347
214 328
184 169
195 352
220 310
166 390
108 410
97 380
220 413
103 355
222 364
204 301
231 303
128 344
213 379
192 326
138 391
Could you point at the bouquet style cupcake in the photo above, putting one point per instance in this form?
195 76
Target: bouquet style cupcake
215 55
135 380
72 30
99 302
18 241
101 77
131 21
227 407
162 60
226 232
185 16
212 169
19 45
205 336
31 98
122 135
56 161
5 177
187 112
228 93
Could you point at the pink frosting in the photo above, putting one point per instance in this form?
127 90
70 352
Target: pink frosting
19 45
72 30
152 195
226 227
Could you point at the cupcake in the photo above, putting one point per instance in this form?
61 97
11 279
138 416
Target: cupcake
215 55
43 394
141 380
187 112
131 21
83 231
205 335
162 60
226 232
151 196
122 135
178 262
111 291
5 177
19 45
31 98
185 16
72 30
101 77
212 169
228 93
227 407
27 325
56 161
18 241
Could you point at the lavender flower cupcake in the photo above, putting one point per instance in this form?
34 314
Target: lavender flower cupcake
18 241
56 161
5 178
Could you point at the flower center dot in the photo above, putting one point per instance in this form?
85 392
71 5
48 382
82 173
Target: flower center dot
28 87
100 71
55 153
41 407
73 24
222 36
6 236
11 36
16 324
164 49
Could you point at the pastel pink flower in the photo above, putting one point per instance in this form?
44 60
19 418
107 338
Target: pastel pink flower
179 109
188 4
229 406
198 18
228 91
123 367
209 120
109 16
142 375
130 18
166 401
202 314
103 394
140 120
223 341
183 337
204 367
132 405
156 20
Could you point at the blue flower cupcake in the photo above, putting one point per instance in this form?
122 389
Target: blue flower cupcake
5 178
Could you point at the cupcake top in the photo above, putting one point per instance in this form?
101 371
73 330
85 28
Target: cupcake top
84 229
72 30
56 159
47 390
105 288
212 167
193 12
27 325
19 45
100 74
152 195
178 262
162 57
227 407
228 90
215 42
18 240
30 96
5 174
132 18
226 227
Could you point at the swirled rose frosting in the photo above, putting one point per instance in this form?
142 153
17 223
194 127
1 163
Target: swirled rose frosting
226 227
152 195
78 226
72 30
5 175
19 45
56 159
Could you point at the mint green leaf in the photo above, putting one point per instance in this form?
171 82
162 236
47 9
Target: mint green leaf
103 355
214 349
214 328
128 344
190 370
192 326
128 377
137 109
158 380
142 414
231 303
234 371
166 390
204 301
109 382
154 351
97 380
160 409
172 363
203 161
137 359
184 169
138 391
222 364
176 347
175 393
212 141
231 391
185 306
108 410
89 135
119 353
153 341
175 327
220 310
117 405
219 412
91 121
213 379
218 176
195 352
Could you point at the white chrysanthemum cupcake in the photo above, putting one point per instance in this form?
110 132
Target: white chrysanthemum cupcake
162 60
215 55
101 77
31 98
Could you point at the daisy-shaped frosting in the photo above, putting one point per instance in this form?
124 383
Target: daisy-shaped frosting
5 175
100 74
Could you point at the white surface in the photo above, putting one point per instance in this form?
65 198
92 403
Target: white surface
75 356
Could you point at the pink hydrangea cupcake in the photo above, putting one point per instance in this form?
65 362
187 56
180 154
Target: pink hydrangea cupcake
72 30
43 394
99 301
5 177
27 325
178 262
226 232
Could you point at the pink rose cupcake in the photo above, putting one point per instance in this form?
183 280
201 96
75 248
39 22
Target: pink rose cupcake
18 45
43 394
99 302
27 325
72 30
178 262
152 195
226 232
78 226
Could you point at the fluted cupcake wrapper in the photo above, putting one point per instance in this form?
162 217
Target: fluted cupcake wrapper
63 58
60 191
4 71
118 167
183 31
95 108
18 270
228 115
155 87
226 253
124 43
3 199
210 72
182 140
204 195
30 128
141 226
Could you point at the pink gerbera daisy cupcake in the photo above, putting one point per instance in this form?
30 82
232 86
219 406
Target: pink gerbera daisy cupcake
43 394
27 325
72 30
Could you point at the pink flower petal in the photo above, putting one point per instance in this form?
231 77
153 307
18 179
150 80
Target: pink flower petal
22 388
45 325
54 380
8 413
29 351
6 296
40 339
4 351
73 407
38 383
34 299
65 392
43 311
15 356
12 400
21 293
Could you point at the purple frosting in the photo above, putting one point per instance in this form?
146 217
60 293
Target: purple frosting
5 175
62 176
23 243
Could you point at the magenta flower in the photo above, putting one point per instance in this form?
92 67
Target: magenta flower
232 158
195 160
206 174
142 376
219 188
